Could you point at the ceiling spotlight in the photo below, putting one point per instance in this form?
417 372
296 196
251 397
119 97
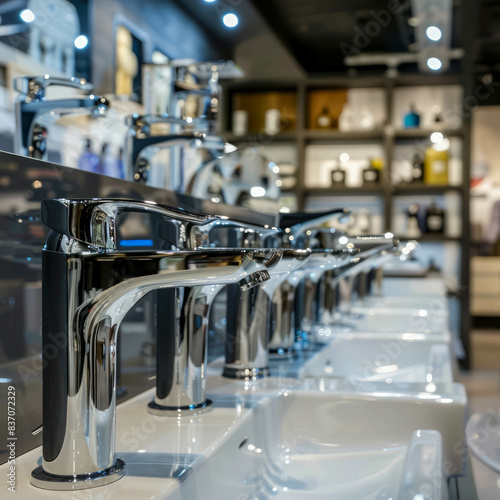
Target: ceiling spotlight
27 16
230 20
210 1
434 63
81 42
433 33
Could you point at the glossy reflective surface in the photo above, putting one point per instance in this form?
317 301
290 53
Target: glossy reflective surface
24 183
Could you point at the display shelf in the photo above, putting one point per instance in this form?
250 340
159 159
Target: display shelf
261 137
389 136
418 133
339 136
347 191
421 188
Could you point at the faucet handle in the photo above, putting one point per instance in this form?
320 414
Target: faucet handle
93 221
143 123
34 87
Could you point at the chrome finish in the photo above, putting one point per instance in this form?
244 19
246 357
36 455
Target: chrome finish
248 337
88 289
34 112
142 143
35 86
93 222
243 177
46 481
335 307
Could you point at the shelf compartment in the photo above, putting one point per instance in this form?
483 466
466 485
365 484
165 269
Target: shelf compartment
418 133
338 136
410 189
347 191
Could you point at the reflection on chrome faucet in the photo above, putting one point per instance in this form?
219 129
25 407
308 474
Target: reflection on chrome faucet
143 143
89 287
35 112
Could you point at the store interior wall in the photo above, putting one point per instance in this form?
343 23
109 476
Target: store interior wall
161 25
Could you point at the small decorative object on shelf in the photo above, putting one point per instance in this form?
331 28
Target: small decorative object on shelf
417 166
413 228
412 118
324 120
338 177
272 121
371 174
347 121
434 219
240 122
436 166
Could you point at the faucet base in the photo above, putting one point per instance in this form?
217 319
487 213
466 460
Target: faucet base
245 373
47 481
174 411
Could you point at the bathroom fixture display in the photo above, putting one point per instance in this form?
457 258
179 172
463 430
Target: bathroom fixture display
371 248
89 286
35 112
483 439
377 357
243 177
252 318
247 341
143 143
257 328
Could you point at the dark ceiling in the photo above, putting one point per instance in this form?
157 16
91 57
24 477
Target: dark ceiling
321 33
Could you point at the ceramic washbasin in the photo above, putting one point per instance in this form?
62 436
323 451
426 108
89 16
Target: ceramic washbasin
297 444
382 358
300 445
399 319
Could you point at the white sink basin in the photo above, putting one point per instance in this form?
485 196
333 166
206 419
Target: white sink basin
348 445
434 303
398 319
302 445
382 358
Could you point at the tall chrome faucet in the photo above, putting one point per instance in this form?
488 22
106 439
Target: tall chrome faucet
142 142
34 111
89 286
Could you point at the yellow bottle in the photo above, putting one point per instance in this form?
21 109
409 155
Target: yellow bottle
436 167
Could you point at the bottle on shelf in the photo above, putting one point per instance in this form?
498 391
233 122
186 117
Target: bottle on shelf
371 174
347 120
434 219
89 161
324 120
417 166
411 119
413 227
436 166
338 176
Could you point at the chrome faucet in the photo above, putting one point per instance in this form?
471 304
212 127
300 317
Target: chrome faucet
142 143
337 289
252 326
34 111
89 286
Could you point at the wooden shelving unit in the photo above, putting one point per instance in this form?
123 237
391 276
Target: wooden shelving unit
387 135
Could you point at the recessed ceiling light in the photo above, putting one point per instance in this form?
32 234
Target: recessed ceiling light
27 16
434 33
434 63
81 42
230 20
